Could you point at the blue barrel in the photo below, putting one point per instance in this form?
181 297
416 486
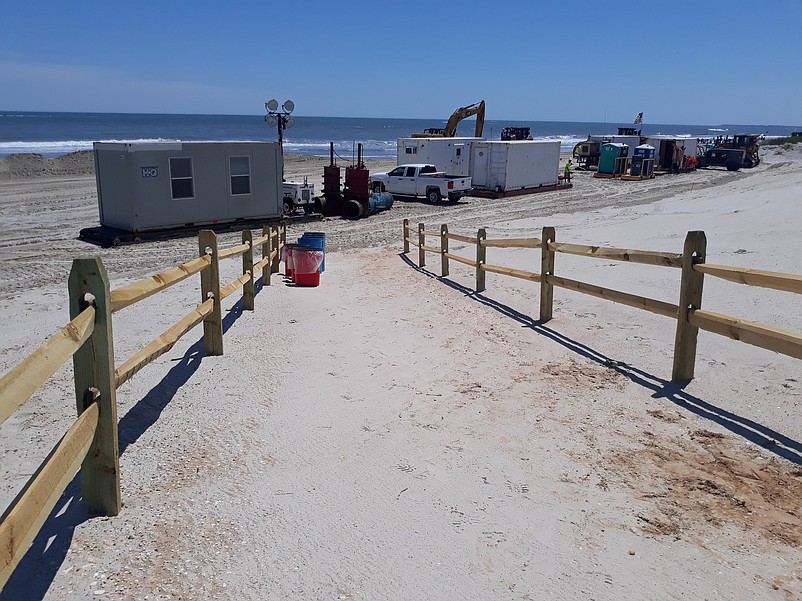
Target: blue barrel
380 201
318 240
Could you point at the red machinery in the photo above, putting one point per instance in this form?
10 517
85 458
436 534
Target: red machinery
357 185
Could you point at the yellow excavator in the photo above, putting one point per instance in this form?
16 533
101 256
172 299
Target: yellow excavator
450 130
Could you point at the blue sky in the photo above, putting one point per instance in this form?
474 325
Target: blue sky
678 62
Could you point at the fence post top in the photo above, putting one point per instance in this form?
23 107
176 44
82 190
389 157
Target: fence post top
83 266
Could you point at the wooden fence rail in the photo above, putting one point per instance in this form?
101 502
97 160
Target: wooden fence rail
687 311
92 440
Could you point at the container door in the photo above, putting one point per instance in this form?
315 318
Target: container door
481 165
459 159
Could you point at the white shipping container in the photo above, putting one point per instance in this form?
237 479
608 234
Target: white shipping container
452 155
667 147
505 166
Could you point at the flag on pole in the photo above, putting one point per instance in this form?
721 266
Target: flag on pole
639 118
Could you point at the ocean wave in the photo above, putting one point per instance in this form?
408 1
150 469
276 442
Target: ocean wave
61 147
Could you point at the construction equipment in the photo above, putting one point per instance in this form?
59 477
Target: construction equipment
450 130
731 158
355 199
586 154
749 143
515 133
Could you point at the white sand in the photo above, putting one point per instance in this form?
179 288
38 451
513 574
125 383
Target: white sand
389 435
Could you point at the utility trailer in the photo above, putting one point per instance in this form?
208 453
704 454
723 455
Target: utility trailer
491 164
145 187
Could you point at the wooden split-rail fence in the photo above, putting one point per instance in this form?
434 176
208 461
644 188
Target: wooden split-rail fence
91 443
687 312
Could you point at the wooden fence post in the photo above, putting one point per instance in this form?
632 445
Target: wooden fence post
406 236
443 250
247 267
283 235
690 299
210 288
265 254
546 269
421 244
93 365
481 259
276 246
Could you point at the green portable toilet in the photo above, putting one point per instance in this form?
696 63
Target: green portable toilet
607 159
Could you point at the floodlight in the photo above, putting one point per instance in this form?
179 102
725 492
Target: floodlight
271 120
272 104
288 122
288 106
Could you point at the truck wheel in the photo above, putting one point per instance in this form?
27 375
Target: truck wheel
733 166
433 196
288 206
378 187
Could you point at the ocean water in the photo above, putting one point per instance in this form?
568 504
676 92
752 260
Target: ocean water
55 134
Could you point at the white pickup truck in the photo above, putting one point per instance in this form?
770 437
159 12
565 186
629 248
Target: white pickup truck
421 180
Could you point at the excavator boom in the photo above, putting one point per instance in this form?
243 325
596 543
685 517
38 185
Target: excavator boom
461 113
464 112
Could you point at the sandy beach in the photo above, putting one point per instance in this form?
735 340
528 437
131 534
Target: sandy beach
393 435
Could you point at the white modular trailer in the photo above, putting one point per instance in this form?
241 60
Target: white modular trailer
670 150
153 186
451 155
514 165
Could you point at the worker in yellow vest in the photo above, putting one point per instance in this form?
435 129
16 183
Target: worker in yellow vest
567 175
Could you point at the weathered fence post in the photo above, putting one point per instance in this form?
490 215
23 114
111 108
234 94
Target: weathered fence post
276 247
444 250
546 269
690 299
93 365
210 288
265 255
247 267
421 244
406 236
481 259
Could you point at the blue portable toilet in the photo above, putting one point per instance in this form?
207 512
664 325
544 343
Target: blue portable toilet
641 168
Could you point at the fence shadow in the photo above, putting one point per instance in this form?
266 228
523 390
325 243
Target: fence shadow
757 433
38 568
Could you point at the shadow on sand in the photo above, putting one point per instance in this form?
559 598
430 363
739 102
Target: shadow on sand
752 431
38 568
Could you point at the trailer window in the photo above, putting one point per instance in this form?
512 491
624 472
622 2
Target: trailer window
240 169
181 178
411 150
